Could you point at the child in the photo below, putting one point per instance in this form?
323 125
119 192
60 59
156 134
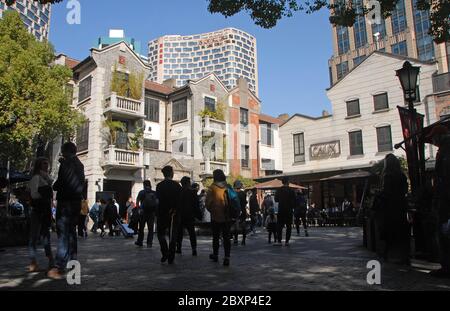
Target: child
271 224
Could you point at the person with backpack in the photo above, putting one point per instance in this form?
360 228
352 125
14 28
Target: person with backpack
69 187
188 209
286 199
168 192
240 223
147 202
271 224
300 211
217 203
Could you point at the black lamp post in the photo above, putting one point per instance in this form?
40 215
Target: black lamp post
408 75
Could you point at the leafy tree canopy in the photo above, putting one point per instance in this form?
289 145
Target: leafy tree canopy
33 93
266 13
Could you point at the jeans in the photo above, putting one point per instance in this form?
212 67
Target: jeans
284 221
37 230
67 213
217 229
82 225
191 230
148 219
162 226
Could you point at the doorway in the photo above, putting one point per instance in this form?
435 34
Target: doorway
122 191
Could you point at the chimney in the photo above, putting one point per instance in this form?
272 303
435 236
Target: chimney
283 117
172 83
325 113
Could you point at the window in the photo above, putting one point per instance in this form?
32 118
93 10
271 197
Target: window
425 48
400 48
358 60
353 108
244 118
210 103
359 27
245 151
179 110
151 109
151 144
299 148
84 89
83 136
179 145
356 143
268 164
399 17
379 28
342 39
341 69
380 101
266 134
384 138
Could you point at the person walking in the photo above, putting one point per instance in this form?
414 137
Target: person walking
82 231
41 213
254 210
129 210
69 187
217 204
271 225
188 207
168 192
111 215
147 202
266 205
241 221
441 138
101 216
93 214
394 188
285 197
300 213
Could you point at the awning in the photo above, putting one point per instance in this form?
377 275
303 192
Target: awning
274 184
427 130
351 175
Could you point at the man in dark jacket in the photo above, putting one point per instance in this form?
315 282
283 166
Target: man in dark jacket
168 192
285 197
441 138
241 221
254 210
300 213
188 205
69 187
147 202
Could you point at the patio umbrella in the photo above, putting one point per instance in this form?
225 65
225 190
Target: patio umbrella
274 184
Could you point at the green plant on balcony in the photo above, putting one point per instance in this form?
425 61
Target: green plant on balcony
219 114
136 139
127 85
113 127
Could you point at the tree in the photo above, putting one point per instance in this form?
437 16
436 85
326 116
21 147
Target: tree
266 13
33 93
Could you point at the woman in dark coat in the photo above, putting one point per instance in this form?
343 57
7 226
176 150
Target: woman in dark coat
396 229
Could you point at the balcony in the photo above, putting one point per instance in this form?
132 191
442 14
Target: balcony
207 167
213 126
119 106
122 159
441 83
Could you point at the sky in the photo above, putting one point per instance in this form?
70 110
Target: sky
292 56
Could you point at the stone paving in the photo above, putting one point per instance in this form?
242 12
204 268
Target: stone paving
330 259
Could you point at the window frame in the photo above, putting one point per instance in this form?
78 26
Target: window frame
245 156
378 129
179 114
243 121
352 101
299 156
209 105
151 109
84 89
82 138
375 108
350 140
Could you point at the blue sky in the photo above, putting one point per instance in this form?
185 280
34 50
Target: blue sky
292 57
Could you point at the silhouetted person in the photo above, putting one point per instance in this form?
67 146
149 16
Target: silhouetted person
69 187
147 201
300 213
188 204
285 197
241 221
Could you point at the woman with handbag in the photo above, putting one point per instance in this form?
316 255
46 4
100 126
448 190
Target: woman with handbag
41 212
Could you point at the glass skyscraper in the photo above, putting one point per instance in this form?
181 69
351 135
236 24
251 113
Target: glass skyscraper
230 53
35 16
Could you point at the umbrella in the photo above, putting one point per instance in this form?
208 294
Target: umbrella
274 184
351 175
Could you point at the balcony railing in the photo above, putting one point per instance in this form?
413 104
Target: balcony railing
213 125
122 158
208 167
441 82
124 106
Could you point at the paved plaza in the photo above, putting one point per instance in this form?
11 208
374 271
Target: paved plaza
330 259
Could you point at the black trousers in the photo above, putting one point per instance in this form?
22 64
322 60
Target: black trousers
223 228
240 225
167 227
297 222
82 225
148 219
191 230
444 243
284 221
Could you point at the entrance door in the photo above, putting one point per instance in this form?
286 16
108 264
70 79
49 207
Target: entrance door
122 190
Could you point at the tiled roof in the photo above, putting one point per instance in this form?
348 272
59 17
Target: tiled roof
158 87
269 119
70 62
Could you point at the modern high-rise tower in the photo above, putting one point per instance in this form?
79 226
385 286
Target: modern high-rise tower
230 53
35 16
404 33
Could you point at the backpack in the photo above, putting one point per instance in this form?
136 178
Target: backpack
234 203
150 202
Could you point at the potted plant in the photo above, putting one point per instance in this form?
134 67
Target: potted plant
113 127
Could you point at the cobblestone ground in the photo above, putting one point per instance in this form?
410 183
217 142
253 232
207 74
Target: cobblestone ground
330 259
